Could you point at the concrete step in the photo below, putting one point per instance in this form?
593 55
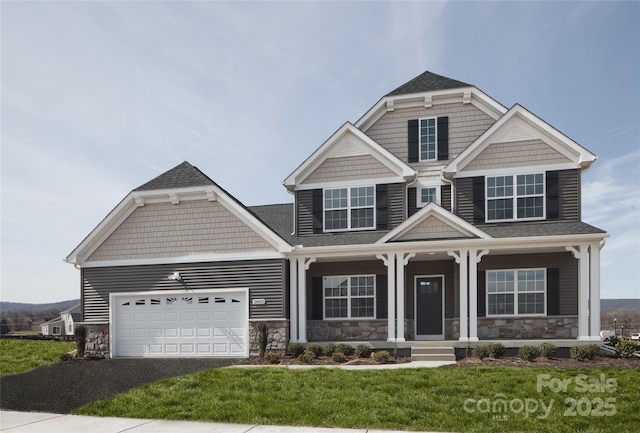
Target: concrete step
433 357
432 350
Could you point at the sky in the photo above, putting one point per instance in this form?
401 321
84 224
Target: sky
97 98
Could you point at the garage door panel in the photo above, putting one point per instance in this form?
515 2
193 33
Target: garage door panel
204 332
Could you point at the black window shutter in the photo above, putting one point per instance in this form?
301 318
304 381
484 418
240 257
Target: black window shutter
317 302
381 297
553 210
478 200
414 140
317 210
412 201
443 138
482 295
381 207
553 292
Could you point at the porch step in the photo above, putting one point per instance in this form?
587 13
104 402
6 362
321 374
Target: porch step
433 354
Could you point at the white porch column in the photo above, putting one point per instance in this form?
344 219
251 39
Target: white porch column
293 300
303 266
594 297
402 260
582 254
474 259
461 260
390 262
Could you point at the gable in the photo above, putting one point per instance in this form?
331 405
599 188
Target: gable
432 228
516 154
190 228
348 168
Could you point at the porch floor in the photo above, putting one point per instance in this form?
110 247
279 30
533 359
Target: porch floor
383 344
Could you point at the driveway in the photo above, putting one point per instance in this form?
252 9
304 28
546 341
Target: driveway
62 387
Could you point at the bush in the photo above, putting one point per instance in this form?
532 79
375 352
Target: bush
345 348
315 348
481 351
81 339
329 349
263 334
306 357
338 357
295 349
547 350
613 340
381 357
583 353
363 351
529 353
497 350
272 358
625 348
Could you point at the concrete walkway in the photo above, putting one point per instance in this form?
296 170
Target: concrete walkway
412 364
39 422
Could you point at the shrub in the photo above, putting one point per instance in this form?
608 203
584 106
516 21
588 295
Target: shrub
529 353
306 357
625 348
338 357
547 350
363 351
583 353
481 351
295 349
329 349
381 357
496 350
613 340
81 339
272 358
315 348
263 333
345 348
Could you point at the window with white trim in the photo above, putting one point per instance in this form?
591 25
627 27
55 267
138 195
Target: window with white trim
428 194
57 330
349 208
349 296
515 197
428 139
516 292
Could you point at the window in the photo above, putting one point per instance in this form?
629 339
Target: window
519 197
516 292
349 296
428 139
428 194
349 208
57 330
70 328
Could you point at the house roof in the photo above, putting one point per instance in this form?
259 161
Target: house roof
180 176
427 82
543 228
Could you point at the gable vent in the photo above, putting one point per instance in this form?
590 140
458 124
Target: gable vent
515 133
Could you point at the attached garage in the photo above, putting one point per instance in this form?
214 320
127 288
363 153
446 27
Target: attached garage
164 324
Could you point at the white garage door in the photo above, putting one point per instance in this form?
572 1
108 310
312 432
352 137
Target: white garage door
184 324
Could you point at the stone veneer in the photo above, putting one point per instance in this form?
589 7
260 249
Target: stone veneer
277 336
361 330
97 344
534 327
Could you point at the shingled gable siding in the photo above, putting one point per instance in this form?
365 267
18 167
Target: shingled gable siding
172 230
266 279
305 209
516 154
431 228
347 168
466 123
568 197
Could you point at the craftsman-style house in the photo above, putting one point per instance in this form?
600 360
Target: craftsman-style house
438 215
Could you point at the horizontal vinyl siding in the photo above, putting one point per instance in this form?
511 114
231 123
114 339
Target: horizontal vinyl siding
304 212
266 279
569 195
567 265
395 204
464 198
445 192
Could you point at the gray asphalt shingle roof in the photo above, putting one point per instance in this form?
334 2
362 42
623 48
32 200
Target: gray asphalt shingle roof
426 82
180 176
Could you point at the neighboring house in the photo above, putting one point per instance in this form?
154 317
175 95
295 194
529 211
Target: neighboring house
439 215
64 325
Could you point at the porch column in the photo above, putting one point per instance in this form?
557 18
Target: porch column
402 259
582 254
303 266
474 259
390 262
461 259
293 301
594 296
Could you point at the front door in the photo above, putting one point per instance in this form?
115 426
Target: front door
429 308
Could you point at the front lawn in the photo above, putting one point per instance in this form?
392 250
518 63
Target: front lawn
17 356
464 399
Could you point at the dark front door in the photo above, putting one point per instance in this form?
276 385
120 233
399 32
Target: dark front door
429 312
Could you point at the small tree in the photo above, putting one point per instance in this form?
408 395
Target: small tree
81 339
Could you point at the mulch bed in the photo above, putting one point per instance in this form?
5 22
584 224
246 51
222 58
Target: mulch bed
599 362
324 360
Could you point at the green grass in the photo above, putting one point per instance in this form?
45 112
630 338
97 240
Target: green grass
17 356
414 399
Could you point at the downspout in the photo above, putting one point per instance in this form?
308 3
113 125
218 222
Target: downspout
453 191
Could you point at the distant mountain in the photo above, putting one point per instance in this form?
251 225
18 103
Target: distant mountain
19 306
620 304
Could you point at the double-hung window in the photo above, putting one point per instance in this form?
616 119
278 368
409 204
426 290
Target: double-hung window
519 197
349 208
349 296
516 292
428 139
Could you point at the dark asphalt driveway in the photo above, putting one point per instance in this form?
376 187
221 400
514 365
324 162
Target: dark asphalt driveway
62 387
